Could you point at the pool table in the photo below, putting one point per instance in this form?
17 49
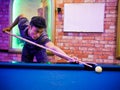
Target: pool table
36 76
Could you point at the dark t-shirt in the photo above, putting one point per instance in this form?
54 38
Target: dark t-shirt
42 40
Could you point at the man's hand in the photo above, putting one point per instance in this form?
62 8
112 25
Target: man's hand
7 29
14 23
74 60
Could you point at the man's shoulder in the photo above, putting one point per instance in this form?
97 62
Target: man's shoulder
43 35
44 38
23 23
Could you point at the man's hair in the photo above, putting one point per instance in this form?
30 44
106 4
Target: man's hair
38 22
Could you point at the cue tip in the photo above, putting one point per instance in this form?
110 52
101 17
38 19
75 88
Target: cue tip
85 64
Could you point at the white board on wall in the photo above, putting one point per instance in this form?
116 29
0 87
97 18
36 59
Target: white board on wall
84 17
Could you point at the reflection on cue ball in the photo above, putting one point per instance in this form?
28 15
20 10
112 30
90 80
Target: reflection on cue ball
98 69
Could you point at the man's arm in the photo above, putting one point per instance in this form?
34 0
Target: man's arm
57 49
13 24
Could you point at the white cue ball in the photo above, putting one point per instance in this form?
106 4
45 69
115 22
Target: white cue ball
98 69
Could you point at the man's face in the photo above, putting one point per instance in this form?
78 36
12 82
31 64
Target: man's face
35 32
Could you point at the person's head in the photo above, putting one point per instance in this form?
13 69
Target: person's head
37 26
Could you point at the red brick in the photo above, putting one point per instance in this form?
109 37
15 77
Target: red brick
112 1
78 1
88 38
111 4
68 1
109 38
99 0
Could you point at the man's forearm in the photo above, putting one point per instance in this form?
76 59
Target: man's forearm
13 24
62 53
16 21
59 52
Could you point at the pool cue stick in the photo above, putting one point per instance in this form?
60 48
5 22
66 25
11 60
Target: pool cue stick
41 46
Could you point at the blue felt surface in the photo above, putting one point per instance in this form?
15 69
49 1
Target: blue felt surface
57 79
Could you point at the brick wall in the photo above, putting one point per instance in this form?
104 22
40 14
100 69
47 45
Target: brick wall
89 47
4 38
4 17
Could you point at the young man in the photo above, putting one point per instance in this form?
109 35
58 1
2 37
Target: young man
35 32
